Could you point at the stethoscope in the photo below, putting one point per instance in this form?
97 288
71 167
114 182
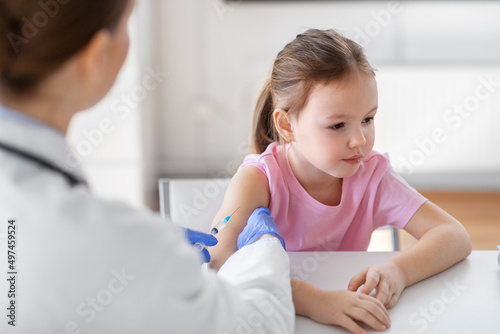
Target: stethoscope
72 180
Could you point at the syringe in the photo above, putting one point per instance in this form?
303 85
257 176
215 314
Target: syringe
221 224
216 229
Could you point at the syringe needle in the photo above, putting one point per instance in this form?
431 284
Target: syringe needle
221 224
234 212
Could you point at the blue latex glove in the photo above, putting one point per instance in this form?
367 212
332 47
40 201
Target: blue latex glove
259 223
200 240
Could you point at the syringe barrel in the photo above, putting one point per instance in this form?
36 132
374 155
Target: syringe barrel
218 227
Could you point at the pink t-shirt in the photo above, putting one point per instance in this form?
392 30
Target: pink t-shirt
373 197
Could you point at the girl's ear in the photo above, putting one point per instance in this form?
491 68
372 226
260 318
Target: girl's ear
91 59
283 124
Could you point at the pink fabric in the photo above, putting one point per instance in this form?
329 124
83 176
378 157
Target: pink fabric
373 197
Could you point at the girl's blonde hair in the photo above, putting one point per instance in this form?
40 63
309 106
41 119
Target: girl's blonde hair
316 56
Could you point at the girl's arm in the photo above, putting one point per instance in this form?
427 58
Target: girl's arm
442 242
247 191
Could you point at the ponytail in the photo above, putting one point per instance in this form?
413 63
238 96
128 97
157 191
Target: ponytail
263 129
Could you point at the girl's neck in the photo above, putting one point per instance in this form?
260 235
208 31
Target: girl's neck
322 187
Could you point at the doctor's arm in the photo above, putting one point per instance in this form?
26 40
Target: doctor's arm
442 242
250 293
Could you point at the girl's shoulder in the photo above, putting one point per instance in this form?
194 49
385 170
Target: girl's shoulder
375 166
377 159
376 172
269 159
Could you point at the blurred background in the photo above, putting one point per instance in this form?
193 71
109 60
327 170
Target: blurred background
182 106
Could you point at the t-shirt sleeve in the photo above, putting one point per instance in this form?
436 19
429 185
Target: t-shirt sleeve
396 201
254 160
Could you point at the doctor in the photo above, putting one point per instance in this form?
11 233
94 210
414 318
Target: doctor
80 265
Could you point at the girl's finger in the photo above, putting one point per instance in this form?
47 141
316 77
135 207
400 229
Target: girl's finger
365 316
378 310
383 292
357 281
392 301
372 281
351 325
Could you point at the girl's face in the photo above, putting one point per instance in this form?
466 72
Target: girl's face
334 132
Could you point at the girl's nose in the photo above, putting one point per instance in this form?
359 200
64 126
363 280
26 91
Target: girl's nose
357 139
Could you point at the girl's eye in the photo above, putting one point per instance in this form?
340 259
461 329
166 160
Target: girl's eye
337 126
368 120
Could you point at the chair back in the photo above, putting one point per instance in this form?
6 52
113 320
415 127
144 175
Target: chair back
192 203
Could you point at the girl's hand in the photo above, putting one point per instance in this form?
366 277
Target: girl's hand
387 280
347 309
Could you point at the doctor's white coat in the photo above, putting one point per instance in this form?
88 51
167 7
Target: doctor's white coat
89 266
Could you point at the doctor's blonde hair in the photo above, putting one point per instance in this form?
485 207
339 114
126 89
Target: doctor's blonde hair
38 37
316 56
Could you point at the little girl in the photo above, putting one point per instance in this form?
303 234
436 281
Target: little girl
314 167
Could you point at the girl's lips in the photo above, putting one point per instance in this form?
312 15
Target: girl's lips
355 159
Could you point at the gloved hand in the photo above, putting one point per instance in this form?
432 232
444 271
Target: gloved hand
200 240
259 223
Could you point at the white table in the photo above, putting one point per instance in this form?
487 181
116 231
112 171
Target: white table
462 299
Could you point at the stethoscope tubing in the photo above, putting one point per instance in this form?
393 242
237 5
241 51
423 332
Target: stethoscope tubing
72 180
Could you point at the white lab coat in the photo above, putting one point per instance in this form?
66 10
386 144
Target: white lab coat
91 266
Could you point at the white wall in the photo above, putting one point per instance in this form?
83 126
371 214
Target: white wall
439 124
107 139
430 57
